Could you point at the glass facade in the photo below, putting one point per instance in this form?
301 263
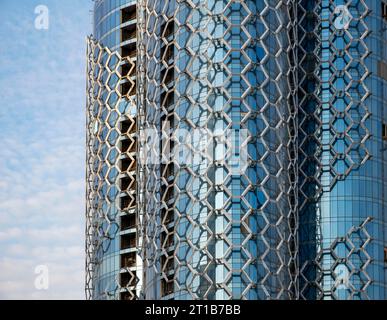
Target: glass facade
113 266
216 69
342 206
236 150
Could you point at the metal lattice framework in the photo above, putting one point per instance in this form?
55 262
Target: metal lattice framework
333 113
332 96
210 234
111 171
340 267
281 71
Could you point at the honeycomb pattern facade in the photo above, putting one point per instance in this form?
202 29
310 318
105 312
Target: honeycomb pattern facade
112 262
334 142
340 271
209 233
290 87
332 94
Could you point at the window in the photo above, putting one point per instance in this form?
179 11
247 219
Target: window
128 13
128 88
385 254
167 239
125 144
129 50
384 133
128 260
167 286
382 70
126 202
128 241
127 295
125 125
128 221
128 279
128 33
384 10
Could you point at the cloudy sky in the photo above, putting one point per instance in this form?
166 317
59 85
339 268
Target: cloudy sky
42 138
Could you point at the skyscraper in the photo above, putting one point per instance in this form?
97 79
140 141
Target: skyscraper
235 150
341 139
113 267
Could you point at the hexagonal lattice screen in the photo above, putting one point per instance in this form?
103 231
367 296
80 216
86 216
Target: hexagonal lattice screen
333 114
281 72
217 66
111 166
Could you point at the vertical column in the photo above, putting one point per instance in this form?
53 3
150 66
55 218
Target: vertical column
336 211
217 70
112 154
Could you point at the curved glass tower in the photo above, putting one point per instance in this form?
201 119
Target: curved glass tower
236 150
220 78
113 265
342 75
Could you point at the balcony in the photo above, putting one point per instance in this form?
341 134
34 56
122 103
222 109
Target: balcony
128 222
166 286
167 239
128 241
128 70
128 279
167 216
127 164
127 184
129 50
127 295
167 264
127 145
126 202
128 14
127 127
128 88
128 33
128 260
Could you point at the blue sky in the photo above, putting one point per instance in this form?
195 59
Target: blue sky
42 148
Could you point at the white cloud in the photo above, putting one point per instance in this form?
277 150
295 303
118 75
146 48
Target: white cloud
63 277
11 233
42 150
